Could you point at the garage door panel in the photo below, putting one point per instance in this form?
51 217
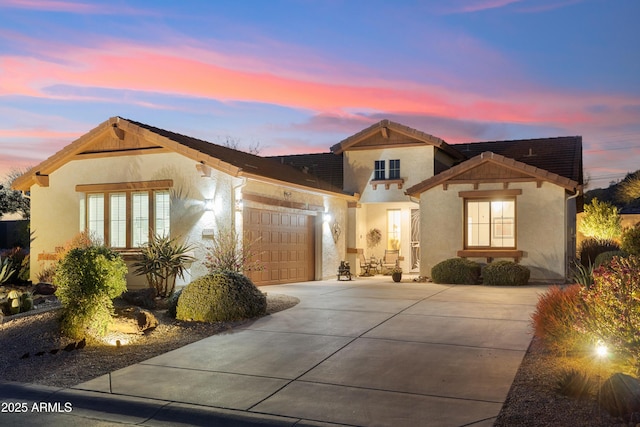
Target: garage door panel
287 245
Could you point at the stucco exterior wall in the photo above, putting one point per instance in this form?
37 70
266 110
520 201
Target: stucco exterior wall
56 209
416 165
541 227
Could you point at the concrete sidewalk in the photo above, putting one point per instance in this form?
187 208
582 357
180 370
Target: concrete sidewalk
364 352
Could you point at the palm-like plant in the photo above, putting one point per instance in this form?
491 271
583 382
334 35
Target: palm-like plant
163 260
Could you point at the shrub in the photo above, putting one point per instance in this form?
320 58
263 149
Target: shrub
228 253
162 261
505 273
631 240
555 317
457 271
574 383
611 307
88 279
591 248
583 275
221 297
172 303
606 257
601 220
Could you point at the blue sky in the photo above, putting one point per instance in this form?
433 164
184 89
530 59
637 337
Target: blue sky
299 76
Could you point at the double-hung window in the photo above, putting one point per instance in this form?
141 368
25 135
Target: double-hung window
490 223
394 169
378 172
126 216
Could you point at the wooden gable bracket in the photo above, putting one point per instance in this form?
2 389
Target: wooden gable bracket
117 132
204 170
41 180
387 183
385 132
538 183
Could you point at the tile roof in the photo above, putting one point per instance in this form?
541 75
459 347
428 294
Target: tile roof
491 157
326 166
561 155
248 163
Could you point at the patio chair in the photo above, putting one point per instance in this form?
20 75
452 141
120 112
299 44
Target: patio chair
390 259
365 266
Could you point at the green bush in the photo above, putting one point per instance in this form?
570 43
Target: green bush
88 279
456 271
221 296
591 248
505 273
631 240
611 307
606 257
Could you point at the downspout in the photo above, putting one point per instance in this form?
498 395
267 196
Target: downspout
567 267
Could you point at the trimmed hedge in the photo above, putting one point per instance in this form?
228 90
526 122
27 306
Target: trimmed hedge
221 296
456 271
505 273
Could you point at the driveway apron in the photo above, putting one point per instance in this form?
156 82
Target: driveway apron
367 352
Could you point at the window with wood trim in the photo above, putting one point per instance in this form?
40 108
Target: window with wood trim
490 223
378 171
127 219
394 169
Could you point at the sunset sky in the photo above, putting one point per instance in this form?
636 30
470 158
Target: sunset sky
299 76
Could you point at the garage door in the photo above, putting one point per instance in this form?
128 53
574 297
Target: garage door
285 247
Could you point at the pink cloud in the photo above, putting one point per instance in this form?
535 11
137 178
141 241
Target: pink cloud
68 7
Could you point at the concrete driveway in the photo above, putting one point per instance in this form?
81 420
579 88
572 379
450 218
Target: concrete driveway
364 352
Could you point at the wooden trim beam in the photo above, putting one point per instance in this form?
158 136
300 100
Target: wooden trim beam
490 193
385 132
387 183
123 186
281 203
120 153
490 254
41 180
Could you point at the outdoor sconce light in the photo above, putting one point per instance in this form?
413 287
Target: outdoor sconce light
239 205
326 217
208 205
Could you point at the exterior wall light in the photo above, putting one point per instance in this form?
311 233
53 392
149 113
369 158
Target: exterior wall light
326 217
208 205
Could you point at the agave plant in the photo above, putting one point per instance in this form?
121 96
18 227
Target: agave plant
6 269
163 260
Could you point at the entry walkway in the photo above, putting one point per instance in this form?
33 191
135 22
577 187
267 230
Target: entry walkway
363 352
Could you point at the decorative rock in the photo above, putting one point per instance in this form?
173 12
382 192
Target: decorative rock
44 289
620 395
142 298
133 320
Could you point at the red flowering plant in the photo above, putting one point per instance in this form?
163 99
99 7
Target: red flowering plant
611 307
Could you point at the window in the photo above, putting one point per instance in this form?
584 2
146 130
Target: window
393 229
490 223
394 169
126 219
379 170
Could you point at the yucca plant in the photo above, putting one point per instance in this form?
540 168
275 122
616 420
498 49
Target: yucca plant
163 260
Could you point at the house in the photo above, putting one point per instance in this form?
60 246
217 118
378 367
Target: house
514 200
124 180
430 200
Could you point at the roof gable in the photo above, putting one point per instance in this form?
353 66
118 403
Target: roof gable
386 134
118 136
492 167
